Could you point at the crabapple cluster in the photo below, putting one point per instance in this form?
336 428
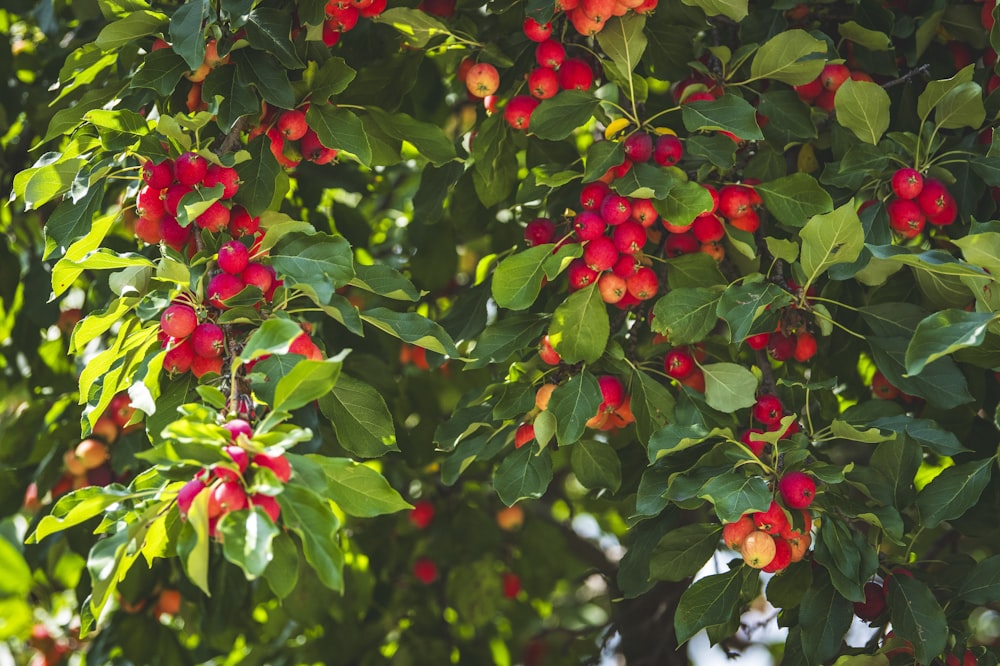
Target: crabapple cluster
821 91
343 15
613 413
800 345
229 485
291 139
767 412
917 201
681 363
734 205
589 16
768 540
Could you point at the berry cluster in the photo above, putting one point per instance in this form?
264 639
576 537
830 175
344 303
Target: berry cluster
227 483
800 345
768 412
343 15
768 540
614 412
291 138
918 200
821 91
589 16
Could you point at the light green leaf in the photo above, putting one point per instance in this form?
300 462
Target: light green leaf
683 202
961 107
944 332
624 41
789 57
686 315
558 117
938 90
517 279
307 381
413 328
360 418
311 517
729 387
728 113
358 489
580 326
274 336
794 199
873 40
863 108
416 27
831 238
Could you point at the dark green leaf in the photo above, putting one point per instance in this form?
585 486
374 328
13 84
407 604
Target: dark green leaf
428 138
728 113
310 516
237 98
596 465
825 617
523 475
265 74
683 552
712 600
319 263
742 304
684 202
187 32
258 175
917 617
517 279
954 491
686 315
982 586
340 129
360 418
580 326
572 404
945 332
601 156
652 405
556 118
270 30
735 494
795 198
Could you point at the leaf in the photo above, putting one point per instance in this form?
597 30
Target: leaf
237 99
596 465
307 381
938 262
429 139
651 404
580 326
47 182
847 557
573 404
944 332
936 91
684 202
385 281
624 41
360 418
340 129
728 113
953 492
247 538
788 57
557 117
873 40
270 30
683 552
319 262
742 304
982 585
193 546
734 495
941 383
601 156
187 35
416 27
686 315
310 516
273 336
258 177
917 617
709 601
72 509
794 199
825 617
283 572
266 75
735 9
729 387
517 279
358 489
832 238
413 328
71 220
127 30
961 107
863 108
523 475
16 581
331 79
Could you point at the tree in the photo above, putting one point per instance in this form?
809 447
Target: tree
350 333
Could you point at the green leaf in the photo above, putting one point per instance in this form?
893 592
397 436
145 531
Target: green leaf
270 30
237 99
624 41
266 75
825 617
596 465
247 538
694 270
66 270
863 108
961 107
556 118
941 383
258 176
311 517
332 78
794 199
71 220
684 202
573 404
917 617
273 336
283 572
686 315
601 156
360 418
832 238
580 326
953 492
385 281
307 381
709 601
429 139
127 30
416 27
413 328
683 552
340 129
789 57
16 581
982 586
72 509
944 332
734 494
938 90
43 184
193 546
187 34
873 40
742 304
319 263
729 387
517 279
737 10
847 557
652 405
358 489
523 475
728 113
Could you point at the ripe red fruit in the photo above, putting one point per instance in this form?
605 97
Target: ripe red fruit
186 495
158 176
805 346
422 514
233 257
968 659
524 434
644 284
482 79
734 534
178 358
535 31
615 209
121 409
772 521
758 549
511 584
203 365
172 233
543 83
425 570
208 340
539 231
797 490
225 176
781 346
936 202
227 496
241 223
758 341
748 222
190 169
222 287
237 427
807 92
148 204
833 76
612 287
782 556
172 197
612 390
873 605
907 183
600 254
178 320
547 352
668 150
644 212
215 218
575 74
678 363
550 53
593 194
257 275
518 111
238 456
755 445
314 151
768 409
639 147
292 124
580 274
304 345
276 463
882 388
905 217
629 237
707 228
680 244
269 504
734 200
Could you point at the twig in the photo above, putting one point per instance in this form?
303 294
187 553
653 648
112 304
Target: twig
919 71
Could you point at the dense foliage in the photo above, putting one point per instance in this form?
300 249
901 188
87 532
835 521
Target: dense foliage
357 332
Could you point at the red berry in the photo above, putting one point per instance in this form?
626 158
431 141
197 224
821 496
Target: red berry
612 287
547 352
215 218
833 76
276 463
519 110
233 257
269 504
772 521
592 195
601 254
782 556
678 363
178 320
575 74
805 346
178 358
644 212
425 570
535 31
644 284
158 176
222 287
873 605
292 124
422 514
511 585
227 496
615 209
237 427
225 176
482 79
668 150
907 183
758 341
550 53
543 83
612 390
768 409
589 225
797 490
580 274
190 169
629 237
639 147
781 346
208 340
257 275
524 434
905 217
241 223
186 495
707 228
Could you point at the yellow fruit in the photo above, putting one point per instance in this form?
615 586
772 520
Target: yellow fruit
663 131
616 127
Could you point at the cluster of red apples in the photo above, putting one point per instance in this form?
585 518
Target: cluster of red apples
588 17
291 139
734 205
343 15
227 483
917 201
821 91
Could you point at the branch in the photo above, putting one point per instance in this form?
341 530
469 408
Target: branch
919 71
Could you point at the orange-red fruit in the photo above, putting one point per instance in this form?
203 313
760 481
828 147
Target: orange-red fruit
772 521
797 489
881 388
782 556
805 346
758 549
644 284
482 79
524 434
612 287
907 183
276 463
178 320
575 74
292 124
547 352
519 110
422 514
734 534
535 31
